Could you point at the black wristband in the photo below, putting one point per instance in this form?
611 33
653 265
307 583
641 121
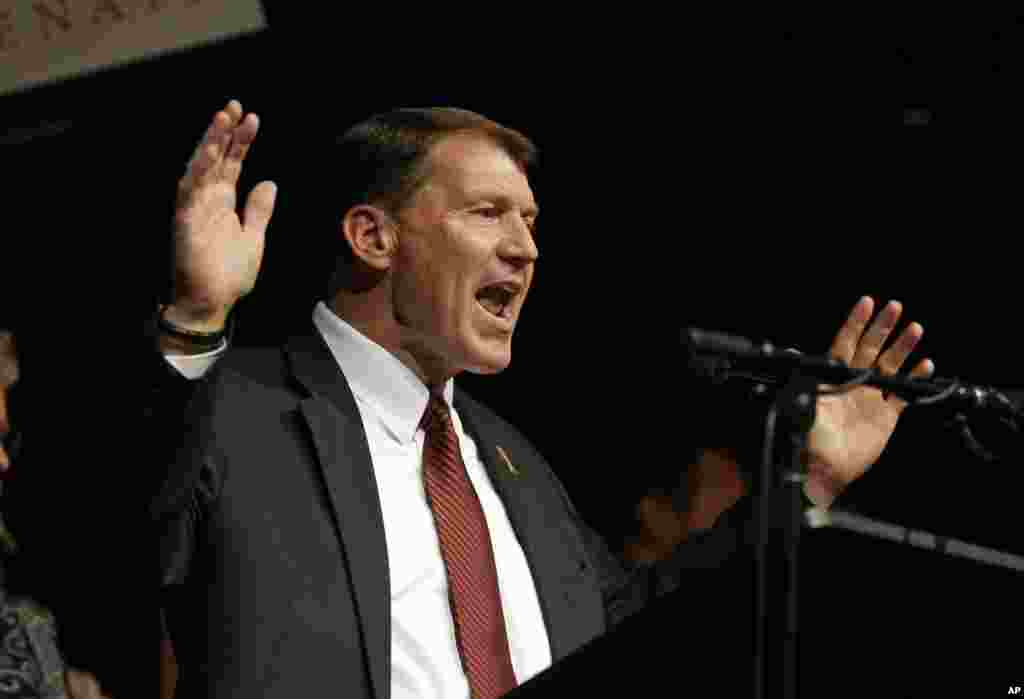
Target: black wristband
199 340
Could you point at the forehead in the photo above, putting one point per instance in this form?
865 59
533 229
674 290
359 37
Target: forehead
471 164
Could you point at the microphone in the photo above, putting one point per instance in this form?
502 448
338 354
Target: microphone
966 408
719 343
721 357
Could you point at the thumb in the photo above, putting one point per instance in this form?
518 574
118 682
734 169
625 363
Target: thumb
259 207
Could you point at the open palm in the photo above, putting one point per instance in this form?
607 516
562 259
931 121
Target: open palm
852 429
217 252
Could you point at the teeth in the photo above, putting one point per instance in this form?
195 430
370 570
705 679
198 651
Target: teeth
496 298
491 306
500 294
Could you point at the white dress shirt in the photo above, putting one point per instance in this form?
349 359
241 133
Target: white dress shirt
391 399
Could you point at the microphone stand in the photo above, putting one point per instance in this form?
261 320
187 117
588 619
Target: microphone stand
778 490
778 494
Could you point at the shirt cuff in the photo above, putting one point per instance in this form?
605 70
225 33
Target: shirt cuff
194 366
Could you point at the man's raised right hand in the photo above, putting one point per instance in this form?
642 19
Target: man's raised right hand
218 253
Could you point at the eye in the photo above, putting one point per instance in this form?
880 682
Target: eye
488 211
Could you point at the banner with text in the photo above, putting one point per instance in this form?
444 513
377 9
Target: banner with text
45 40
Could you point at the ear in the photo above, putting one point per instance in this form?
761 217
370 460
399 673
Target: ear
371 235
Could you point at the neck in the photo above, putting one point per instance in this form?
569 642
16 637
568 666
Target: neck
362 312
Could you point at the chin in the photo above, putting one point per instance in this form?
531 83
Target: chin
488 360
487 370
489 366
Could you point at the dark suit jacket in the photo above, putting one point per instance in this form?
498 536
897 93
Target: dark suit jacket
274 555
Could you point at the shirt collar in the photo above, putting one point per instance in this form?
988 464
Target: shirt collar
377 377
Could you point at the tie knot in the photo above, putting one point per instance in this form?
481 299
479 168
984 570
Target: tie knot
437 414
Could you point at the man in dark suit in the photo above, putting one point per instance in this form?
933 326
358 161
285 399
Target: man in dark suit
338 517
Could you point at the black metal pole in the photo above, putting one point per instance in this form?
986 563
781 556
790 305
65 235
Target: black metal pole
798 402
763 491
793 483
779 493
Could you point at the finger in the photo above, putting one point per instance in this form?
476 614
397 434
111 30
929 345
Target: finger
234 110
241 140
225 123
210 151
873 339
82 685
8 359
5 461
923 370
891 361
259 207
5 422
844 346
207 154
212 147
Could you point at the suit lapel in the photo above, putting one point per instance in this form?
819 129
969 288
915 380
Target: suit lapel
570 600
345 462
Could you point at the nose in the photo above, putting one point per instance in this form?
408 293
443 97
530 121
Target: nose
518 246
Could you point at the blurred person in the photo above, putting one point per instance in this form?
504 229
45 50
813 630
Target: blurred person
688 501
30 661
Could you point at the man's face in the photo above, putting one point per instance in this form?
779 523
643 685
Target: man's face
466 258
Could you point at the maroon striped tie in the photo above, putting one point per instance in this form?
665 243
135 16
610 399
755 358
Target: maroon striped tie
468 558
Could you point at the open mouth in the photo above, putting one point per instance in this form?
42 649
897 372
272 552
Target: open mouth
497 299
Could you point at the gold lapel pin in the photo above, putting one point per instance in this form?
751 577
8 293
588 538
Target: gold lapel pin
511 469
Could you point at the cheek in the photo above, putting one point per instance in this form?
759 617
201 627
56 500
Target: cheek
436 300
439 277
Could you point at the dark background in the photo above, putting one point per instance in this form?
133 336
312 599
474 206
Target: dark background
716 172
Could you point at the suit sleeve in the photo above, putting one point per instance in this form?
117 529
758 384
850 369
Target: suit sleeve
177 422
